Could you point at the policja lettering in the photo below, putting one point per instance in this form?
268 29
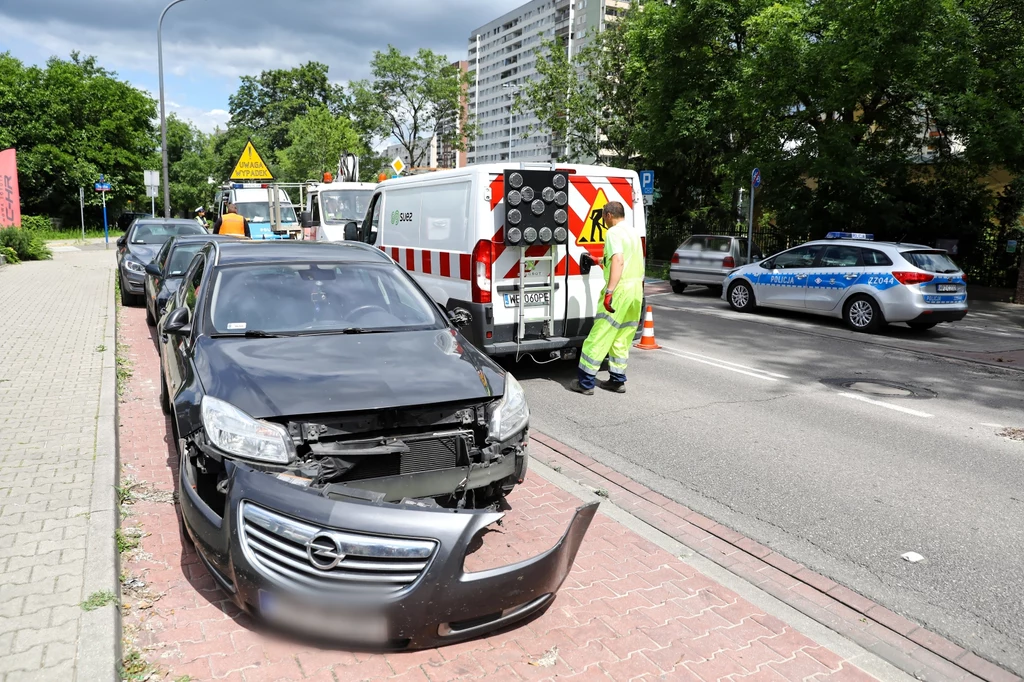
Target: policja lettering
619 314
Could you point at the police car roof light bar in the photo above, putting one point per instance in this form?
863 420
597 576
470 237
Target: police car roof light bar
850 235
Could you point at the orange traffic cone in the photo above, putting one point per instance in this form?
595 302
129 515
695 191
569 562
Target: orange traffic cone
647 341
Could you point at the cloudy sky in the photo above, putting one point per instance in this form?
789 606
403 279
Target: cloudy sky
208 44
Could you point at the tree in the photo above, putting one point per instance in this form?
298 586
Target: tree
190 157
317 140
590 104
71 121
412 98
267 104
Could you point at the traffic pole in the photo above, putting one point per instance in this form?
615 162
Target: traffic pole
81 208
750 223
106 232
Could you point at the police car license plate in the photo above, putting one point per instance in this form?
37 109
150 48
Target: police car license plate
323 621
948 288
533 298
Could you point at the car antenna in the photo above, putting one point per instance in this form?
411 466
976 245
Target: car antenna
902 237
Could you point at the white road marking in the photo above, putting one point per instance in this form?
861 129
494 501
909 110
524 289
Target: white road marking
687 356
898 408
994 426
726 362
983 330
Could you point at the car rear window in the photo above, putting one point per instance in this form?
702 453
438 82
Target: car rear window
719 244
931 261
872 257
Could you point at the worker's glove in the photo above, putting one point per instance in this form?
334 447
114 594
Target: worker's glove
608 301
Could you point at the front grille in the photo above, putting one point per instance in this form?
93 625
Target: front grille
306 557
426 453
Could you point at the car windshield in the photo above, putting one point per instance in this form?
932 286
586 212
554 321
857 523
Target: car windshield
931 261
259 212
703 243
311 297
344 205
181 257
158 233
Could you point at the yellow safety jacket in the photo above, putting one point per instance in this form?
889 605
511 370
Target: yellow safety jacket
233 224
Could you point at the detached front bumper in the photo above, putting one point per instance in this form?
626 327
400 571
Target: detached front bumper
366 562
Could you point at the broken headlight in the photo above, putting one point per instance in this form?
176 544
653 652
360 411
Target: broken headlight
236 433
511 415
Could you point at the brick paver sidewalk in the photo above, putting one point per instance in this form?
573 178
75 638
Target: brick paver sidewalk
629 610
57 468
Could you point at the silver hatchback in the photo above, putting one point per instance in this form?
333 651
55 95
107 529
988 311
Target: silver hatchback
866 283
707 259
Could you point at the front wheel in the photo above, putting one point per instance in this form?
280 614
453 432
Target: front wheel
921 326
678 287
150 320
741 297
862 314
165 402
126 298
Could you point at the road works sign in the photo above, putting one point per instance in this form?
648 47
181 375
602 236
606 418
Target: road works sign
251 166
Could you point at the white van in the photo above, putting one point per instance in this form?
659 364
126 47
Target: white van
254 204
330 205
447 230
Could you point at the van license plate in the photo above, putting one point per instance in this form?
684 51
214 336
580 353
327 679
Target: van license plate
533 298
948 288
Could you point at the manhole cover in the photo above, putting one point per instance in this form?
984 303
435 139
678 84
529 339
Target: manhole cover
879 387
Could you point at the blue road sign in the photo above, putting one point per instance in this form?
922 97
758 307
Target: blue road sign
102 187
647 182
755 178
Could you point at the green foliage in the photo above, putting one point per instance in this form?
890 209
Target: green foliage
126 542
317 139
135 668
190 159
25 243
36 223
10 255
411 97
267 104
70 121
98 600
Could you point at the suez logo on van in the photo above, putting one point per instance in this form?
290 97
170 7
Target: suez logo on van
399 217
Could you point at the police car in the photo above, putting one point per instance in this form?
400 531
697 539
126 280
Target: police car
849 275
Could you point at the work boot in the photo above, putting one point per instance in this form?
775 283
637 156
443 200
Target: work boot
613 386
575 386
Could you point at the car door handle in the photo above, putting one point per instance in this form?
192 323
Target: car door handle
852 276
801 276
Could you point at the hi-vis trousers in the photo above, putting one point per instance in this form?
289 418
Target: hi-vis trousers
611 337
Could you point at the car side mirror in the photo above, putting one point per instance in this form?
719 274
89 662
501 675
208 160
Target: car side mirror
306 219
587 263
352 231
768 264
177 322
460 317
121 240
154 269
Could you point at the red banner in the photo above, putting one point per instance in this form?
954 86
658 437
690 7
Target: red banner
10 203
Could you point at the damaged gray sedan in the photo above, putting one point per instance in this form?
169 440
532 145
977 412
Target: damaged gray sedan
342 447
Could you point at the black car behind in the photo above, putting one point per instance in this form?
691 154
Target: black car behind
342 446
164 273
139 245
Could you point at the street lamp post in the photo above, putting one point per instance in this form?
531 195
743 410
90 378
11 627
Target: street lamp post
513 92
163 115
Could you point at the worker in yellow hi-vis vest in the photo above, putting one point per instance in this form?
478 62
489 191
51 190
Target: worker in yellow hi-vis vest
619 312
232 223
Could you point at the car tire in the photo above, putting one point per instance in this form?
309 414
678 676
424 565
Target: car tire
921 326
716 289
741 297
678 287
127 299
862 314
150 320
165 401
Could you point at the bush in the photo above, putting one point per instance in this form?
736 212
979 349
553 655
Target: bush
9 254
36 222
25 243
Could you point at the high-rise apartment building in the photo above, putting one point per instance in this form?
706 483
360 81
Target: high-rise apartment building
503 57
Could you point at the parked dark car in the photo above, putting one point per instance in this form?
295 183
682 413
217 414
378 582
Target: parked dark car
342 446
137 247
164 273
125 220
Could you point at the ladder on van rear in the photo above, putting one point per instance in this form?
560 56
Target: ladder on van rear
548 287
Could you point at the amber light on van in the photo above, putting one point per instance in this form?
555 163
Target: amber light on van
483 258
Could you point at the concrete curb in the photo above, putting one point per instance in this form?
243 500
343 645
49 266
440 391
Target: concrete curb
99 648
893 638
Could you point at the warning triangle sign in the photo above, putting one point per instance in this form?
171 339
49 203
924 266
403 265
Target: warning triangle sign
593 222
251 166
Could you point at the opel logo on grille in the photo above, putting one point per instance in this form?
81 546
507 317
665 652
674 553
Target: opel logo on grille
323 552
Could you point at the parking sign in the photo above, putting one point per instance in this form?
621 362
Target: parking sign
647 182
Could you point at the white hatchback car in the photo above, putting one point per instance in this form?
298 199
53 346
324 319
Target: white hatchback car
848 275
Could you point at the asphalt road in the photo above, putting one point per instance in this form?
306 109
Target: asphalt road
745 419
